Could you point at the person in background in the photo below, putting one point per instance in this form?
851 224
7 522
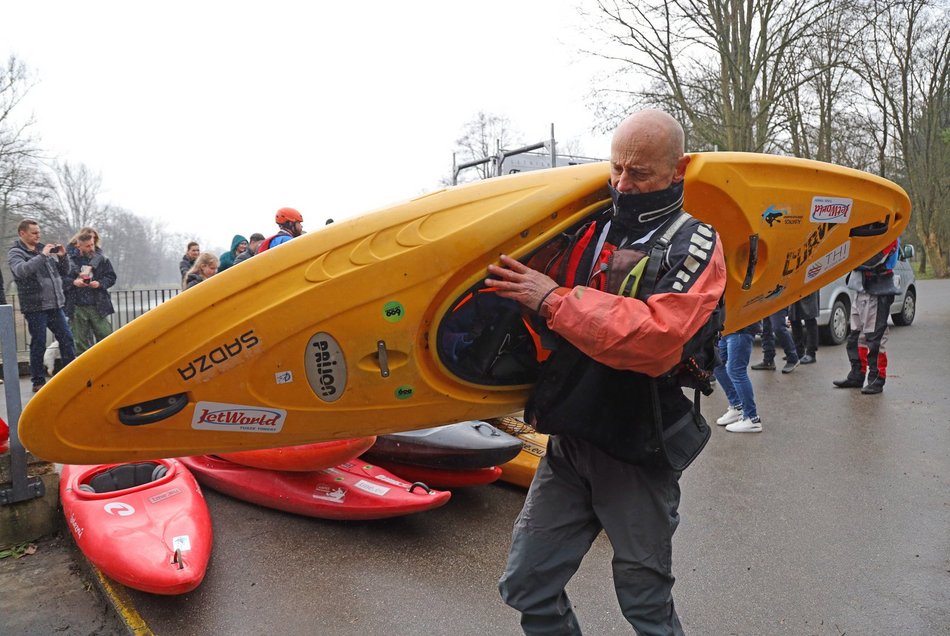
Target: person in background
238 246
191 253
803 314
873 282
614 345
735 350
206 266
88 302
252 246
290 222
776 330
38 270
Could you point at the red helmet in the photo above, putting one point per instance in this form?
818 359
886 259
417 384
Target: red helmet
288 215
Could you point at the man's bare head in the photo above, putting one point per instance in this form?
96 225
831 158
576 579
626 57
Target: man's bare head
646 153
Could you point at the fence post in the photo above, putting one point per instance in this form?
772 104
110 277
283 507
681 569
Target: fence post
22 488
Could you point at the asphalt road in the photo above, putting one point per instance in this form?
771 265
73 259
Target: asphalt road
835 520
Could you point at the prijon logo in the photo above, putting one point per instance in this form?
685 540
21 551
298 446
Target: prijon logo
830 210
219 355
326 367
216 416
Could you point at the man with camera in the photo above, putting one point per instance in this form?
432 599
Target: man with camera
38 270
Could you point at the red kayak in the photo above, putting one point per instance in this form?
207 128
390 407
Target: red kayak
444 477
353 490
144 525
306 457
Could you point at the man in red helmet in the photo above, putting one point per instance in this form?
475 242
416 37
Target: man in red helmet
290 222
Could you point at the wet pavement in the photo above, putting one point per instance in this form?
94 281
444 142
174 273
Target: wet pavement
835 520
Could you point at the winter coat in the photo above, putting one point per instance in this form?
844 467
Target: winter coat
184 266
102 272
227 259
38 278
193 279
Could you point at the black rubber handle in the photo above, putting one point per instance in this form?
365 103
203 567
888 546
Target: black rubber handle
753 260
871 229
153 410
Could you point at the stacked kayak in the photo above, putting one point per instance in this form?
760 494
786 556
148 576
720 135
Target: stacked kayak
455 455
354 490
4 436
305 457
520 470
145 525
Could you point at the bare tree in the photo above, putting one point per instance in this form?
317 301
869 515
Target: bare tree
483 136
906 67
723 66
73 200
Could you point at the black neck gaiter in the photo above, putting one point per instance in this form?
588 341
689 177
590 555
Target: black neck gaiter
639 213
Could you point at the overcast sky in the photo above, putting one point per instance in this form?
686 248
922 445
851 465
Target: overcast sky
211 115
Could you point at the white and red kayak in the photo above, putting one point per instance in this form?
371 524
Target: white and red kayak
304 457
144 525
350 491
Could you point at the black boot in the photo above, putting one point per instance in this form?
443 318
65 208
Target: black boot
853 381
875 387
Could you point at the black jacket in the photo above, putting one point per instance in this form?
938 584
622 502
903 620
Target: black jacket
102 271
38 277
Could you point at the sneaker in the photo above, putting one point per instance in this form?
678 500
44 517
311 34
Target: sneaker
734 414
808 359
790 366
765 365
747 425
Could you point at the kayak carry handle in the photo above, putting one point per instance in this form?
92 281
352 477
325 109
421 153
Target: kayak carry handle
871 229
152 410
420 485
753 260
177 560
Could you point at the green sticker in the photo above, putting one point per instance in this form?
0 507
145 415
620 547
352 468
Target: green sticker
393 311
404 392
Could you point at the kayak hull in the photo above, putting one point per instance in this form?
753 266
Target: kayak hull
304 457
365 357
443 478
351 491
155 537
460 446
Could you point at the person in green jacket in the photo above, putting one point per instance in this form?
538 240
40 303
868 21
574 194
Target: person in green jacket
238 246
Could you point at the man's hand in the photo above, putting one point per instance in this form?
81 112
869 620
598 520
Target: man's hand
519 282
80 283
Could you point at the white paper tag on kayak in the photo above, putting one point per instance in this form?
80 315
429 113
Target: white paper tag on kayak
181 543
371 488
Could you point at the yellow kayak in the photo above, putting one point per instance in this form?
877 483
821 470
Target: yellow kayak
353 330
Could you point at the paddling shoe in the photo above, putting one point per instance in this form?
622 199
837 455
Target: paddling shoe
746 425
734 414
873 388
849 382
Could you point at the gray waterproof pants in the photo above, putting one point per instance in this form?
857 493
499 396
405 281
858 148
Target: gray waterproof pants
577 491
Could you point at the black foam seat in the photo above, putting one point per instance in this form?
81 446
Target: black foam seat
126 476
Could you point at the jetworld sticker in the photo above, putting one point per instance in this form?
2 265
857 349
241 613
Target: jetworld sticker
830 210
826 262
217 416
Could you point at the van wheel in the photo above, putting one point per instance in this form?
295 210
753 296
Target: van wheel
908 310
836 331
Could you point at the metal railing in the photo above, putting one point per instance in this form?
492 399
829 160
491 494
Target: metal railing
129 305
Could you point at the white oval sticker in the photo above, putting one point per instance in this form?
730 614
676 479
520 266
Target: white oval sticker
326 367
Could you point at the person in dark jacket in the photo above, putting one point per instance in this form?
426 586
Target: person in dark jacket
38 269
88 302
873 283
238 247
803 315
191 253
581 485
252 246
206 266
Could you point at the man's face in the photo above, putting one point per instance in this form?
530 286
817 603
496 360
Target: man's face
255 244
31 235
193 252
87 248
644 156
